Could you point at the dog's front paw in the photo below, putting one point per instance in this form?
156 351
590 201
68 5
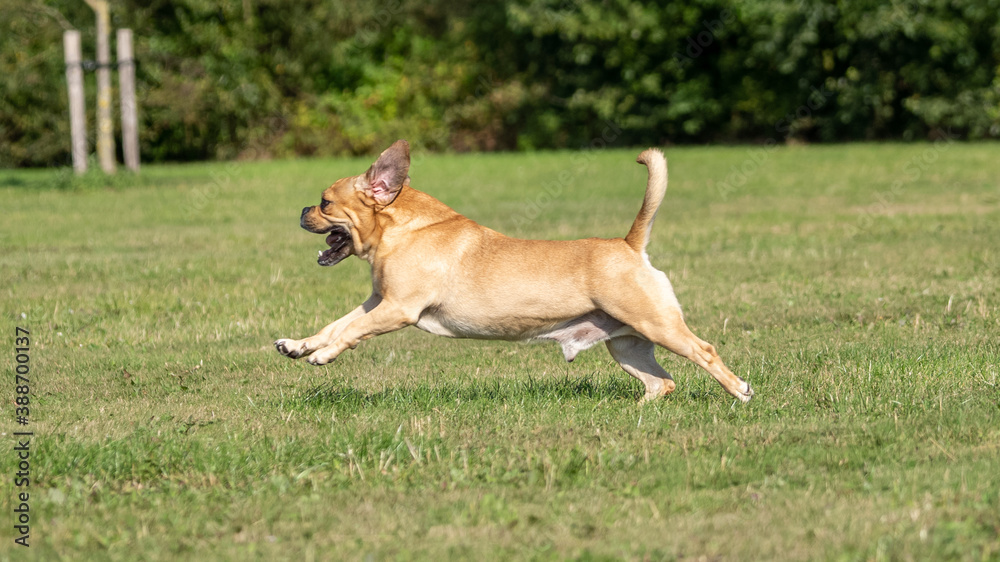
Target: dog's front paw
289 348
746 394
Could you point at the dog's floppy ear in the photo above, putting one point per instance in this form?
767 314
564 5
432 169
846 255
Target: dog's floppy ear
388 174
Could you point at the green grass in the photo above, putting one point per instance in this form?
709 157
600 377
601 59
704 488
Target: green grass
865 314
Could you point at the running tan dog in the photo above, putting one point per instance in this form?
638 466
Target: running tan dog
436 269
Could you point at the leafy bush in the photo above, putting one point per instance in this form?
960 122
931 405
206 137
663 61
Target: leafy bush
262 78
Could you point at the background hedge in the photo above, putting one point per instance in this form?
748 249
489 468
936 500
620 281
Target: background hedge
271 78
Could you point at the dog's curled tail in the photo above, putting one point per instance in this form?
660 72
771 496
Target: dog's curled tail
656 187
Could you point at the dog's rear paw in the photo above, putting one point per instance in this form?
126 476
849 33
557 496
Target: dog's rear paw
288 348
657 388
746 394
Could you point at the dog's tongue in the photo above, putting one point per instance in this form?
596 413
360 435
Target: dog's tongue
340 248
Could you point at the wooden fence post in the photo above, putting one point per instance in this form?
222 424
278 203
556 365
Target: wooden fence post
105 121
77 109
126 86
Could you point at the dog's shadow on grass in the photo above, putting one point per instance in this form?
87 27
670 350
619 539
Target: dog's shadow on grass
429 395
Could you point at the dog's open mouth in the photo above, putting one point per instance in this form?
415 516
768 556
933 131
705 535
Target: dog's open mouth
339 240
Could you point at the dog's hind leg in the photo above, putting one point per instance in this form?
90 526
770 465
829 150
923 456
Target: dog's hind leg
636 357
669 330
654 314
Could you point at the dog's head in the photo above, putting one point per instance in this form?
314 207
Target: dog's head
346 212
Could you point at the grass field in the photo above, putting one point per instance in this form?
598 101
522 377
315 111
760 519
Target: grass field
856 287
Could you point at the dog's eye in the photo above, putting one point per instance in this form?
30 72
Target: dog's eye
323 204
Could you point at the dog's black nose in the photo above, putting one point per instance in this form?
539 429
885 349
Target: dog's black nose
305 210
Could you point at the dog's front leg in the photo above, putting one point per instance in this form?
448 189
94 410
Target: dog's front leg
386 317
300 348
